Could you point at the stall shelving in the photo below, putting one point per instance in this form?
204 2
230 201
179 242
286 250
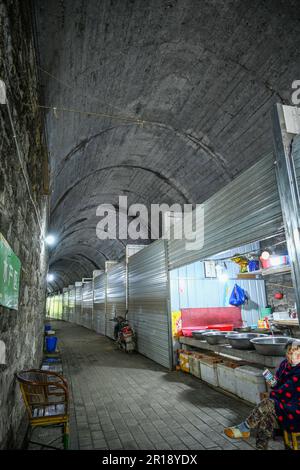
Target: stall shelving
225 349
267 271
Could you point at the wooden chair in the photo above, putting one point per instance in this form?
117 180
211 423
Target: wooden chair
46 399
291 440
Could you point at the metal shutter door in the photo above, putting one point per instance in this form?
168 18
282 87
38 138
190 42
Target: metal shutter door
60 306
246 210
115 296
87 304
296 160
78 302
99 304
65 304
148 302
71 303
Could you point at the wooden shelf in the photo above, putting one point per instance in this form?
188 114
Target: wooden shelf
267 271
226 350
293 322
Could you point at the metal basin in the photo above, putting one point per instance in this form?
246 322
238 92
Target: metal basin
242 340
197 334
271 346
215 337
243 329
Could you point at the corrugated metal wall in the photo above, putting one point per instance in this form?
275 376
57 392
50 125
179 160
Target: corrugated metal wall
296 160
115 295
78 302
72 304
65 312
60 306
189 289
148 302
87 304
249 248
246 210
99 303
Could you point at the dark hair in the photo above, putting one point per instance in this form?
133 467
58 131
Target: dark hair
291 341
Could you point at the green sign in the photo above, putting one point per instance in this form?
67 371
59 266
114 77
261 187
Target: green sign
10 267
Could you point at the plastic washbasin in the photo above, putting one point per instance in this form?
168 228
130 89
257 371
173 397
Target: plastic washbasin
221 326
187 331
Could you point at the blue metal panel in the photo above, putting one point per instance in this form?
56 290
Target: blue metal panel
199 270
174 294
193 293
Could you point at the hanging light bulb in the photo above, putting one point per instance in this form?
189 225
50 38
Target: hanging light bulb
265 255
50 277
50 239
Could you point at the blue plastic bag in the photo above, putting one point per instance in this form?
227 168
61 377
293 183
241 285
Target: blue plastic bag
238 296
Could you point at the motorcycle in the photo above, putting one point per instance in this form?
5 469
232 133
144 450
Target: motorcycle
124 335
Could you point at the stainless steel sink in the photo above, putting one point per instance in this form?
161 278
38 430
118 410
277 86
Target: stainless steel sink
215 337
271 346
242 340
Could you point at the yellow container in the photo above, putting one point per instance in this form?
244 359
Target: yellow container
262 324
194 361
184 361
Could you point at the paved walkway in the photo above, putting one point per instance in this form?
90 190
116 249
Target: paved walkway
122 401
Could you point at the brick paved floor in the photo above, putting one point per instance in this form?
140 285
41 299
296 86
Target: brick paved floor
121 401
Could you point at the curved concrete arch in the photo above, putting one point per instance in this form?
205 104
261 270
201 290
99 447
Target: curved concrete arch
62 283
60 268
93 206
86 229
78 247
186 137
111 167
74 259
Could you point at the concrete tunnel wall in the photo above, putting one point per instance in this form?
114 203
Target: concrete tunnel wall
21 330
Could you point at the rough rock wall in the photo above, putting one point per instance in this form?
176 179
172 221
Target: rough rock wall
22 330
282 283
279 283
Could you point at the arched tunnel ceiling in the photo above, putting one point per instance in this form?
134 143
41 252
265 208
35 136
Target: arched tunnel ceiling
203 75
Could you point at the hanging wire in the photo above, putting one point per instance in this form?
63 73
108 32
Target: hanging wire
56 109
92 98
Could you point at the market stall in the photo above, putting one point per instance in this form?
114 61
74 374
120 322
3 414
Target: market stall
99 304
78 302
71 303
87 303
148 307
116 285
65 310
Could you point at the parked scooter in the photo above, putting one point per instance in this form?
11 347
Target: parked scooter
124 335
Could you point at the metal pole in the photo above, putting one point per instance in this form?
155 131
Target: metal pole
288 193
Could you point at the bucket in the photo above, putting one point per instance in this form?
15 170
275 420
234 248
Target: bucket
253 265
264 312
51 342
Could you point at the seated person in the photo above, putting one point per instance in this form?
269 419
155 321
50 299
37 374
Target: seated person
281 409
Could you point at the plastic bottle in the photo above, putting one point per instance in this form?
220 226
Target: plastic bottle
270 379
